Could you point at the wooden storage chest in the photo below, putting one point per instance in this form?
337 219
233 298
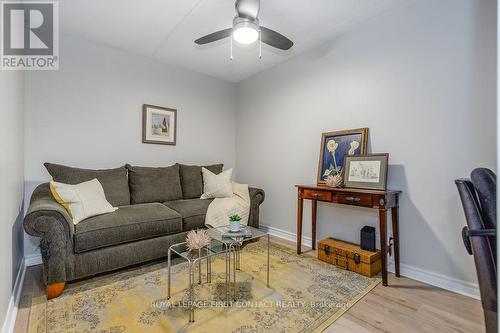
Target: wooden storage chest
349 256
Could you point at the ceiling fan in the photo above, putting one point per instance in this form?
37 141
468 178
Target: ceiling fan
246 28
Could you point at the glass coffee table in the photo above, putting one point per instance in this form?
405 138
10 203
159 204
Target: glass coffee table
234 243
222 243
195 258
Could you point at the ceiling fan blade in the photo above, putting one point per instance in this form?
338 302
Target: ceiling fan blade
248 8
221 34
275 39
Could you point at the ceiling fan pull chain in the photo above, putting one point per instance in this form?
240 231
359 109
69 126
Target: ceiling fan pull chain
260 44
260 31
231 49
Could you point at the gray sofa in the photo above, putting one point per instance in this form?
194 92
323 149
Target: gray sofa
156 208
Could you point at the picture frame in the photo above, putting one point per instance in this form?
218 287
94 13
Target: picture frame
366 171
159 125
335 146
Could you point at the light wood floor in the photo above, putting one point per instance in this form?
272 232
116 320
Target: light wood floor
405 306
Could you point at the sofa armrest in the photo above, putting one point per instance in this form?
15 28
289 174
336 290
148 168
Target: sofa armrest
51 222
44 214
257 197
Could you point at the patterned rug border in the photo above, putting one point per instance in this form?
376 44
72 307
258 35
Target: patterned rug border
322 327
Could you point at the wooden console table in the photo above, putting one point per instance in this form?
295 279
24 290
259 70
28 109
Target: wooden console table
380 200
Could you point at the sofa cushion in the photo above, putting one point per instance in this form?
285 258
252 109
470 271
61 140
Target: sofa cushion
192 180
126 224
113 181
193 212
149 184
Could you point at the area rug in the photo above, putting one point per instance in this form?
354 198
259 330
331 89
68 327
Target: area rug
305 295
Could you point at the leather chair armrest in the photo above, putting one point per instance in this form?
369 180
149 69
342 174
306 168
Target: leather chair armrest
257 197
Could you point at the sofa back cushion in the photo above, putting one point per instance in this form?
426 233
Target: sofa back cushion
192 179
113 181
149 184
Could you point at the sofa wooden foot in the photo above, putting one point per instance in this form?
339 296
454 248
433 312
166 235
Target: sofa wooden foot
55 289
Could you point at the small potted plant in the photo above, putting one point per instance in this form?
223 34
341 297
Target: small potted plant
234 223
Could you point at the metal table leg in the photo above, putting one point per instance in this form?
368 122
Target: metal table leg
239 257
227 276
191 293
169 263
234 272
268 268
209 263
199 266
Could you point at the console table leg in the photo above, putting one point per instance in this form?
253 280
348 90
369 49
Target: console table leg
383 243
300 206
313 221
395 236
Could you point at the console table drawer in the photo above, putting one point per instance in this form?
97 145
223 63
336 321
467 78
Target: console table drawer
317 195
358 199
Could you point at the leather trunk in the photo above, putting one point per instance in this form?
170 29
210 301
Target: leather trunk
349 256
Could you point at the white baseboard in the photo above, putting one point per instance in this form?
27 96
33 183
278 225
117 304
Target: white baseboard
290 236
442 281
10 318
33 259
438 280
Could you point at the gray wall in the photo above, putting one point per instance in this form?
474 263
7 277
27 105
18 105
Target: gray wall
89 113
11 182
423 79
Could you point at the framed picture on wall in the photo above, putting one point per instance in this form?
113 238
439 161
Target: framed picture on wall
366 171
159 125
335 146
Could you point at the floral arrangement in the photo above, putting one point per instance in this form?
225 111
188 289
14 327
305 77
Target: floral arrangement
197 239
334 181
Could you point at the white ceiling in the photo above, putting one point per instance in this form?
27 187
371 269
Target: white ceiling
165 29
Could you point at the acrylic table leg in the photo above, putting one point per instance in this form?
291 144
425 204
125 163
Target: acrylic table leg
234 275
238 256
227 277
199 267
314 209
208 269
300 206
268 267
191 293
169 272
395 236
383 243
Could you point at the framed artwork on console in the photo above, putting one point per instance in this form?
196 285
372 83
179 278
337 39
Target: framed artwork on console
366 171
159 125
335 146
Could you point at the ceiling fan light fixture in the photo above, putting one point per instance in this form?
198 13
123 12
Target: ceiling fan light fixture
246 32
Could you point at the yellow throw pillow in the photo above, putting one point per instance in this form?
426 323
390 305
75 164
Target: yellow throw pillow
81 200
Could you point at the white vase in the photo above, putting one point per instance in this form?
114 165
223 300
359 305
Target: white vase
234 226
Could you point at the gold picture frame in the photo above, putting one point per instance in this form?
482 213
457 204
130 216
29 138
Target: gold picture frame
335 146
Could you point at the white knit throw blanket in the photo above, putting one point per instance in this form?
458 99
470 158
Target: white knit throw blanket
220 209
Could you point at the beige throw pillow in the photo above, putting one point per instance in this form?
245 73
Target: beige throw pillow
81 200
216 186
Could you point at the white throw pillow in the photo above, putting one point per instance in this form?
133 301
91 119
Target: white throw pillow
81 200
216 186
